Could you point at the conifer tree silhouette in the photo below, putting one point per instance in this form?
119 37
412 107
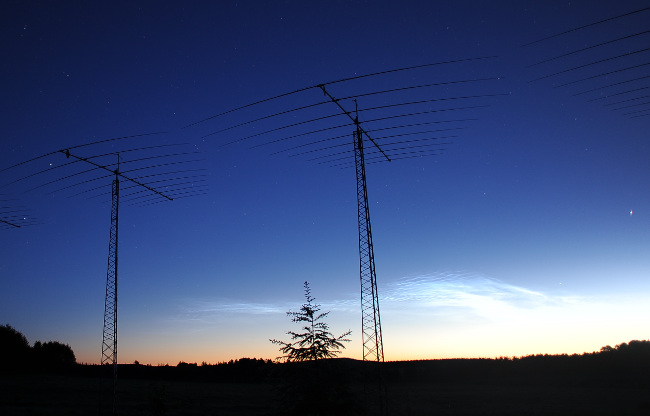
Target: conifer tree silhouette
315 341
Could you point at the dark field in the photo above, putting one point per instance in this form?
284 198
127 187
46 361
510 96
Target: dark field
71 395
542 385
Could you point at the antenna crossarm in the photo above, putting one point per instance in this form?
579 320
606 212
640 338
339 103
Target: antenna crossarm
355 120
67 153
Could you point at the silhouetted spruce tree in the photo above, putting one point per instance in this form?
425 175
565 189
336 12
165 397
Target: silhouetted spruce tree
312 386
315 341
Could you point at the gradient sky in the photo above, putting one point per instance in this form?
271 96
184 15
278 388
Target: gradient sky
528 234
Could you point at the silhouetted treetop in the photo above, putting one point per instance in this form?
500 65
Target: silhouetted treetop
17 355
315 341
53 356
14 349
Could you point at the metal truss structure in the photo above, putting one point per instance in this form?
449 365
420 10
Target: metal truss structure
373 347
148 179
109 338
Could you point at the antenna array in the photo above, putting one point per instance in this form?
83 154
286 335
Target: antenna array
592 65
400 120
13 215
148 174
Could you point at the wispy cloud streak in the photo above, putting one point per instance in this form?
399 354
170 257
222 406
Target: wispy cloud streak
205 309
487 296
443 314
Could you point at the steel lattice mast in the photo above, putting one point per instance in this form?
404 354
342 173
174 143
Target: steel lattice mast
373 347
403 141
142 183
109 339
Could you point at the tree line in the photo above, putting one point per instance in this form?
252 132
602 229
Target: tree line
17 356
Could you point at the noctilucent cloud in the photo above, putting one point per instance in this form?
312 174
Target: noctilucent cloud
513 219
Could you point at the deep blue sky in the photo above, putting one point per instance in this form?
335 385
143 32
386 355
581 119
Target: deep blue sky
528 234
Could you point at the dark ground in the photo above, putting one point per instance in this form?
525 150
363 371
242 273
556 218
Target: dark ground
590 384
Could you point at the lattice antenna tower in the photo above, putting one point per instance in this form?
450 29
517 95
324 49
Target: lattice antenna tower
427 124
109 333
146 182
373 345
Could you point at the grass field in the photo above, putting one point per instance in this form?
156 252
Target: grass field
72 395
77 395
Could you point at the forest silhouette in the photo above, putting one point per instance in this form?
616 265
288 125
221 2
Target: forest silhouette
17 356
45 379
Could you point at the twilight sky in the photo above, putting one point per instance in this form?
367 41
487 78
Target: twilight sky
521 229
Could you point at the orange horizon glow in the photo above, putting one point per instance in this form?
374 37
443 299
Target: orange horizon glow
423 318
